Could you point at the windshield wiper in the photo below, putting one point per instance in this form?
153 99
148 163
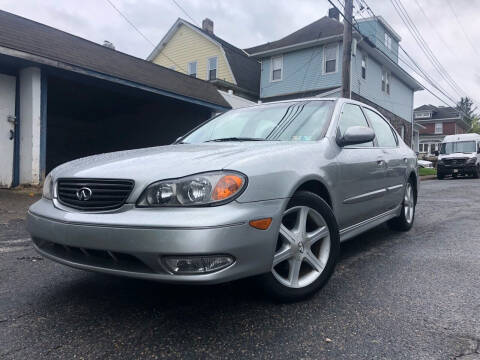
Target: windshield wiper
235 139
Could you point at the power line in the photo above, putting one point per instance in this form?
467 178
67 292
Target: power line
412 28
138 31
462 28
417 69
356 28
424 74
185 12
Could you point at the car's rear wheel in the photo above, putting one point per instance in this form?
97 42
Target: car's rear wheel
404 222
306 251
440 176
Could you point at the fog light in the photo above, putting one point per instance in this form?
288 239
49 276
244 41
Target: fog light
197 264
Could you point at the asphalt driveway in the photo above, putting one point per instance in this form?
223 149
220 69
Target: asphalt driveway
412 295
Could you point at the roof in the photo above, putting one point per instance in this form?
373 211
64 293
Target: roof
235 101
245 70
27 36
322 28
382 21
439 112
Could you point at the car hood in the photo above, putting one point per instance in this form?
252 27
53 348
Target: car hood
457 156
164 162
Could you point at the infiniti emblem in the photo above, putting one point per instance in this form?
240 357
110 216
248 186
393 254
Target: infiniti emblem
84 194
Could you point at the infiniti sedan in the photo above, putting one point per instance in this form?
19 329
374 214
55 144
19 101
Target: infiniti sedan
267 191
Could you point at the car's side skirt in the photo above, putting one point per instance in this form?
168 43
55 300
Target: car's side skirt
357 229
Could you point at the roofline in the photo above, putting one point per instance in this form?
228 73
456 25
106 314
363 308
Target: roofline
84 71
156 51
301 45
384 23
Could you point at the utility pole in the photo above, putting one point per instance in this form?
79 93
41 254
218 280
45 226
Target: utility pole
347 49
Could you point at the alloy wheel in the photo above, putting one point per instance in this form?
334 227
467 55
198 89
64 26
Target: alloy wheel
409 203
303 247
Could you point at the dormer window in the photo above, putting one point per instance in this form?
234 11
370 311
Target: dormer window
388 41
422 114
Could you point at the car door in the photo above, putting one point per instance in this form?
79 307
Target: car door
395 159
361 173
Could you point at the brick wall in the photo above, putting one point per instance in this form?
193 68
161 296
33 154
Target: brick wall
396 121
448 129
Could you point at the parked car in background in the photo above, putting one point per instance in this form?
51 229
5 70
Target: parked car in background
459 155
424 164
270 190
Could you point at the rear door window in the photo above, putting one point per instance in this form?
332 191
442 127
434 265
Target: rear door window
383 132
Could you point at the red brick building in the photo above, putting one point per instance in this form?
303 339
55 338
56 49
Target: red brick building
436 122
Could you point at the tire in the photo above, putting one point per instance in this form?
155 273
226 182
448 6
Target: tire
404 222
302 264
476 172
440 176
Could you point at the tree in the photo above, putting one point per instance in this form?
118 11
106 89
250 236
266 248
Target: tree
475 125
465 107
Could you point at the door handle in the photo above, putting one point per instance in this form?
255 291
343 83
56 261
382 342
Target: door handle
12 135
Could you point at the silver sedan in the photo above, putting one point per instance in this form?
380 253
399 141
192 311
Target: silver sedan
268 191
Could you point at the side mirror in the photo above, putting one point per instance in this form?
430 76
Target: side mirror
436 153
356 135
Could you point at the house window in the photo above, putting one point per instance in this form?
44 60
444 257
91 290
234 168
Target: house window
212 68
386 81
422 114
330 55
364 66
277 68
192 68
439 128
388 42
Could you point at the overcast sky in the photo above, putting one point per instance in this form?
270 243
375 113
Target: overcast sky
246 23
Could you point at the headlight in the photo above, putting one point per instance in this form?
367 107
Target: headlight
213 188
472 160
48 187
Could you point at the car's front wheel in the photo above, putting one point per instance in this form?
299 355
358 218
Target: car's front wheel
306 251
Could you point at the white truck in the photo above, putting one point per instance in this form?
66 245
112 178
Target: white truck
459 155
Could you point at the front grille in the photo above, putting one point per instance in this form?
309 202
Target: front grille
98 194
99 258
454 161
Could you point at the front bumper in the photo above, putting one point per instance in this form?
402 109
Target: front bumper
132 242
461 169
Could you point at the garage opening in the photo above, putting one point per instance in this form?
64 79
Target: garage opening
88 116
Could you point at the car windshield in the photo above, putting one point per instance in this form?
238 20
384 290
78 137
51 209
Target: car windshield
289 121
457 147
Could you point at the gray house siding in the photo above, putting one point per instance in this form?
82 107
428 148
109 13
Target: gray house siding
375 31
400 99
302 71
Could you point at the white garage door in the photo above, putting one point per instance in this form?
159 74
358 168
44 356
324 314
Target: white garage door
7 112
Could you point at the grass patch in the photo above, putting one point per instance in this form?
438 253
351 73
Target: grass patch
427 171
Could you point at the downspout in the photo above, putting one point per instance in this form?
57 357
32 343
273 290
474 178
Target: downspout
16 139
412 118
43 124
